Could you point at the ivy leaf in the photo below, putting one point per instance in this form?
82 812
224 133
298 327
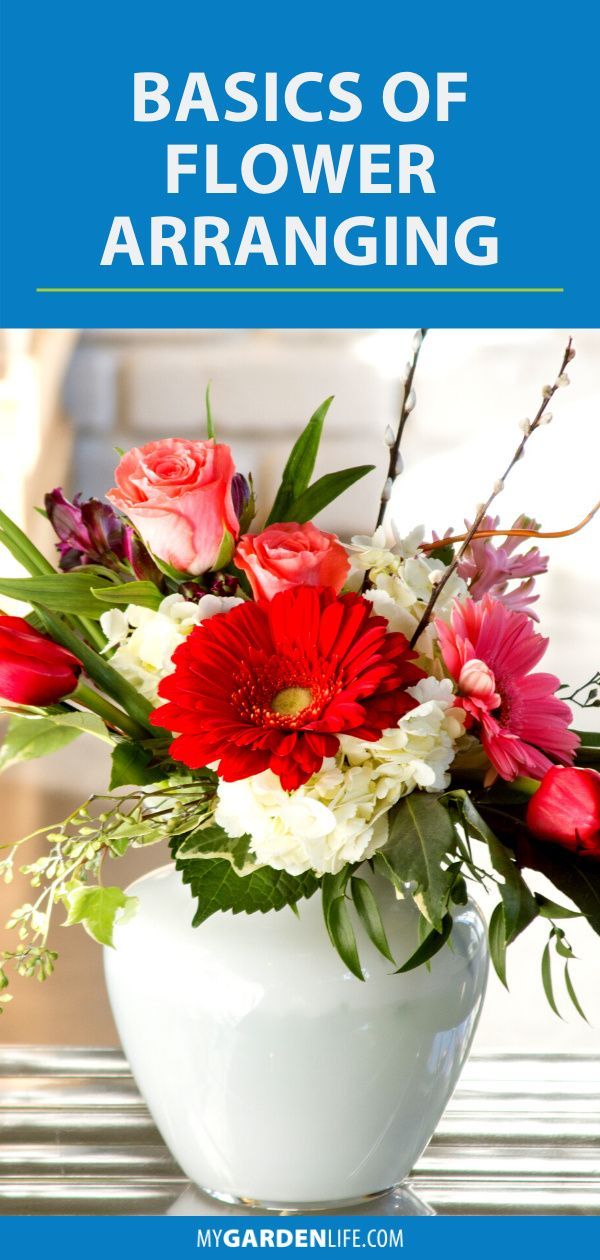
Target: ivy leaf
370 917
216 885
213 842
421 836
324 491
300 466
97 908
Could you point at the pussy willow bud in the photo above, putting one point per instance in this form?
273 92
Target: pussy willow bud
410 402
390 436
525 427
387 490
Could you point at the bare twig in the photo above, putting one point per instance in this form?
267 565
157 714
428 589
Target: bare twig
407 405
530 427
393 440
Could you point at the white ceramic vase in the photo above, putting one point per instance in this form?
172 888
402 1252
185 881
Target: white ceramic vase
274 1076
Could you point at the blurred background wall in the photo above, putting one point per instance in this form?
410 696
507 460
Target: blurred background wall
67 399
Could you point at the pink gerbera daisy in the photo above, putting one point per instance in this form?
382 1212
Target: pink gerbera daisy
489 650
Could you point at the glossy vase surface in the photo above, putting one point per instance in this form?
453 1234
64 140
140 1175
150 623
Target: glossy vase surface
274 1076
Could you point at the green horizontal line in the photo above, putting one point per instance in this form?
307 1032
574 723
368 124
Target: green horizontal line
273 289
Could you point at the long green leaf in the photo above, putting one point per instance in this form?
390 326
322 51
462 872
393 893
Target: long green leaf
370 917
547 981
69 593
342 935
322 492
520 906
300 466
497 943
429 947
572 994
143 594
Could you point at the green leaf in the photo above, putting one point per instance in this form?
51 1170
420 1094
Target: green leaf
131 766
217 886
300 466
547 980
369 915
429 947
97 908
520 906
573 996
144 594
589 739
421 836
27 738
577 878
342 935
552 910
68 593
210 428
497 942
324 491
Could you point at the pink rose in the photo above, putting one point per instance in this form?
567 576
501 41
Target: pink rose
291 555
178 496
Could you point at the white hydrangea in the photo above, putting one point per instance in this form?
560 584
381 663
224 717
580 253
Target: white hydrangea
339 815
145 639
401 578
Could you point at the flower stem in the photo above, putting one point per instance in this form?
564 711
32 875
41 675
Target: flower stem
109 713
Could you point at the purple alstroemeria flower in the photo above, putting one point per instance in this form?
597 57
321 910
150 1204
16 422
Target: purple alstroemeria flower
91 532
489 567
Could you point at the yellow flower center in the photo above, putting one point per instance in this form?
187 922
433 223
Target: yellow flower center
291 701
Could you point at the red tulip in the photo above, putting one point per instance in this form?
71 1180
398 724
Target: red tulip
566 809
33 669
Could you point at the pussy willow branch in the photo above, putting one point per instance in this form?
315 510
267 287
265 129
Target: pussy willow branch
406 407
405 410
547 395
513 533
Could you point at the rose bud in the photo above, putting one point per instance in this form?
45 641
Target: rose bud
291 555
178 494
34 670
566 809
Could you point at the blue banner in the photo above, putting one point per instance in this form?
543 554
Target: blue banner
422 1238
331 165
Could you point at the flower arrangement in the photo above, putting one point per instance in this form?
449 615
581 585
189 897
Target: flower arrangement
284 707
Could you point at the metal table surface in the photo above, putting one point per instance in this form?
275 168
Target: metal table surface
520 1136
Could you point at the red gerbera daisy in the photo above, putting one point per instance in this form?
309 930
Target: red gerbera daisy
271 684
